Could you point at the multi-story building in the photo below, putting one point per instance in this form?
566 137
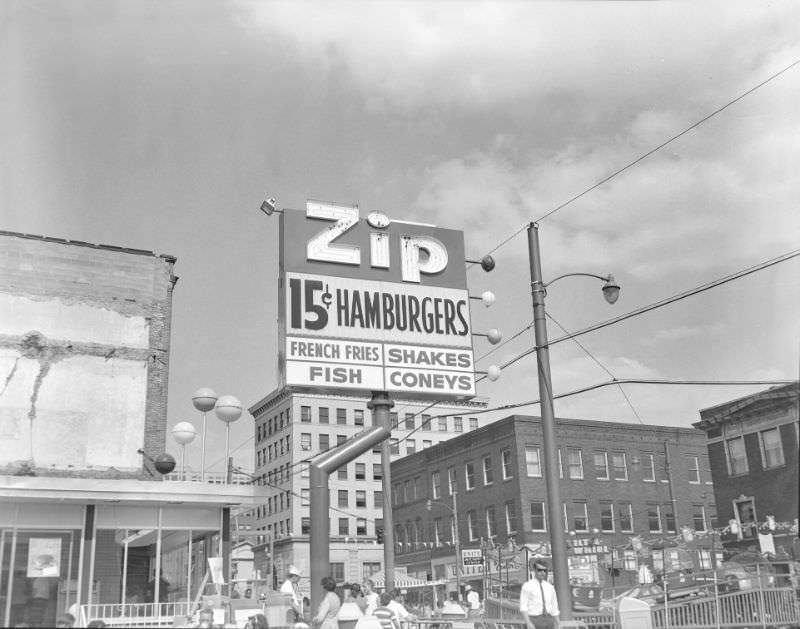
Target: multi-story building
626 489
291 427
753 451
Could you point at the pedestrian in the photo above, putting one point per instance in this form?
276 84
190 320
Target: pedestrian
328 610
291 587
396 604
257 621
370 596
537 600
473 601
385 614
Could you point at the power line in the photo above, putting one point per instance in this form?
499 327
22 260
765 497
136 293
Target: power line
672 139
664 302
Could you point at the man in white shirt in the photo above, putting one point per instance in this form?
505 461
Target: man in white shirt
290 586
537 600
473 601
396 605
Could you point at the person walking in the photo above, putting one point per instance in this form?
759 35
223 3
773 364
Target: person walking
371 597
473 601
291 587
537 600
328 610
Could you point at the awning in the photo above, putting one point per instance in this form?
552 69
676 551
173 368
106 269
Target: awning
403 581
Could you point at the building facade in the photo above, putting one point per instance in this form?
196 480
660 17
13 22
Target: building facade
291 427
627 490
753 451
84 517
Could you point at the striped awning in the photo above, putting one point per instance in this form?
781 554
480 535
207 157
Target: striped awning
403 581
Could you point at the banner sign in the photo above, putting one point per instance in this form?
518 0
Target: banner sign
373 304
472 557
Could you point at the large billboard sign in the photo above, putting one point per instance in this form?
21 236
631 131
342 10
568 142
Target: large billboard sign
373 304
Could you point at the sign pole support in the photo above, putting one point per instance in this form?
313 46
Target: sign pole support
380 404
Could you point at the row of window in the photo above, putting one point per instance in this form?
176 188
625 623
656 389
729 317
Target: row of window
343 526
612 518
770 449
410 420
273 450
273 424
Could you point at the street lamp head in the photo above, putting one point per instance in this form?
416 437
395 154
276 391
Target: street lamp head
611 290
428 504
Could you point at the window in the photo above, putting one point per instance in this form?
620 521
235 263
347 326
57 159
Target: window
771 448
669 516
408 491
399 495
337 571
458 424
745 513
409 421
654 518
511 518
452 485
580 518
304 493
361 526
533 461
426 422
469 476
426 443
693 469
305 526
305 414
324 442
472 526
377 499
737 457
341 473
340 439
626 517
436 485
575 463
537 517
606 517
343 499
361 471
601 465
491 526
437 531
411 446
341 416
488 477
304 470
358 417
473 423
377 471
443 424
505 462
369 568
361 498
699 517
648 468
323 415
344 526
620 465
394 446
417 491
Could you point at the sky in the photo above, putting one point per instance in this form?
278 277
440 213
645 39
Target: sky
162 125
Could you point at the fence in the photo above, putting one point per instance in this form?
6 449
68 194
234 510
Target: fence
136 614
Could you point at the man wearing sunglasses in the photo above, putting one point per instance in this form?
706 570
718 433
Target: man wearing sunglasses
537 600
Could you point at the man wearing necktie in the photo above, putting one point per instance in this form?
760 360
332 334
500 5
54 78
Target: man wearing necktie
537 600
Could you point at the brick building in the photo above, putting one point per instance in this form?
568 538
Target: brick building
753 451
84 358
618 483
292 426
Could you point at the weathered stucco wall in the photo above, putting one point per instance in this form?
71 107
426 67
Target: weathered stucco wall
84 355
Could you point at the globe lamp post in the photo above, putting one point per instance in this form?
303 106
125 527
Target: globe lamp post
204 400
183 433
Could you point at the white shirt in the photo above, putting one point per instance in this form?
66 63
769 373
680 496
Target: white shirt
397 608
373 602
530 598
474 599
289 588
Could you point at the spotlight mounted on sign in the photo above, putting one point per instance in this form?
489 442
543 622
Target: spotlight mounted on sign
494 336
487 297
487 263
268 207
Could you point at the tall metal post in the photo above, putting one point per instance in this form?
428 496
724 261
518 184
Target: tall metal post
457 545
557 542
380 404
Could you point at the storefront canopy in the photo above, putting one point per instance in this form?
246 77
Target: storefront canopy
403 581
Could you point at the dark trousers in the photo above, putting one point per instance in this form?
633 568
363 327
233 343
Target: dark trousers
545 621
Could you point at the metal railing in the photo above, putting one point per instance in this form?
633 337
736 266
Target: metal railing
136 614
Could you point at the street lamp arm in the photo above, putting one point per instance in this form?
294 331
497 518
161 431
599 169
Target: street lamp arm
430 503
599 277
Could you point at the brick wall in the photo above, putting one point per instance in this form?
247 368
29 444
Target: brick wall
74 315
